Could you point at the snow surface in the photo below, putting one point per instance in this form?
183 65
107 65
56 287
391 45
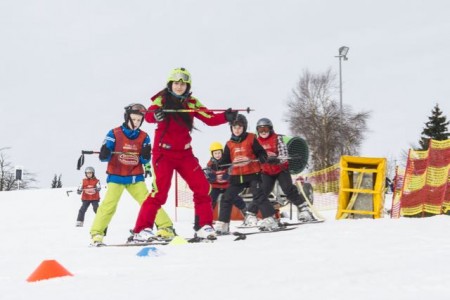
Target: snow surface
346 259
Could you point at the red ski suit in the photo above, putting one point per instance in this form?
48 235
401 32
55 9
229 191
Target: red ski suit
172 152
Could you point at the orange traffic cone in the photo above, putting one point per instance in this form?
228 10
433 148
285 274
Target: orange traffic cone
48 269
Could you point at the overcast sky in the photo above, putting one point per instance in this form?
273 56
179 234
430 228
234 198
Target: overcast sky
67 68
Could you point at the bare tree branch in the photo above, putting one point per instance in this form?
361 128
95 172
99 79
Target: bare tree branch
315 115
8 180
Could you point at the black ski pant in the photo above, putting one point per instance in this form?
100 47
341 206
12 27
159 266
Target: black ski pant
285 181
260 201
84 207
238 201
215 194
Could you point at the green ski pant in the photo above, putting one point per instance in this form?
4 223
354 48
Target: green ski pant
109 204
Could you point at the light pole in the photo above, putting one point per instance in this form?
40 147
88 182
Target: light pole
342 55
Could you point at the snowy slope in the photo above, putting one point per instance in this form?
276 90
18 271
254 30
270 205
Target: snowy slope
347 259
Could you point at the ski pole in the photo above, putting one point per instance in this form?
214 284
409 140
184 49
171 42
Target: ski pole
248 110
252 160
289 157
71 191
238 162
113 152
80 162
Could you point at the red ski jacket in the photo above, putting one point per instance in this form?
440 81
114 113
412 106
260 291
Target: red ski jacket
171 133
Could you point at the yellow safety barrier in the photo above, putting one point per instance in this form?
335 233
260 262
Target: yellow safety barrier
361 187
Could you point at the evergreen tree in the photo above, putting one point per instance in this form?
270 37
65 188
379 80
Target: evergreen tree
435 128
56 182
59 183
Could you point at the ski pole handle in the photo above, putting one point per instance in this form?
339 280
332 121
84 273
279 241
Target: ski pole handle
89 152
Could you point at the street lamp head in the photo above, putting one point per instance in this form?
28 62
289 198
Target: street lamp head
343 52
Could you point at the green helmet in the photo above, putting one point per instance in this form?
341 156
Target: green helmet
180 74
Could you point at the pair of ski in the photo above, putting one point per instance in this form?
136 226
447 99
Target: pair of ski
240 235
156 242
149 243
243 235
285 226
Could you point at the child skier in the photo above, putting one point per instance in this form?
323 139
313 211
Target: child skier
90 194
245 154
126 149
218 176
278 169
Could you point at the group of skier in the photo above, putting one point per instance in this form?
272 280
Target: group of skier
249 160
254 161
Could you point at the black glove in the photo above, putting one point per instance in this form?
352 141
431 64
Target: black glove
79 192
146 152
104 153
262 159
159 114
273 160
209 175
230 115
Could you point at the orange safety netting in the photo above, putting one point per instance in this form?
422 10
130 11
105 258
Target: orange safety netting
426 187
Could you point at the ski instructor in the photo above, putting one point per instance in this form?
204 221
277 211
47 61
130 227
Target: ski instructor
172 151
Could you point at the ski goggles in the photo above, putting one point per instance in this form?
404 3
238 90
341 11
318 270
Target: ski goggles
180 76
263 129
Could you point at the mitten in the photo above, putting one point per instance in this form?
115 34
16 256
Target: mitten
230 115
105 153
146 152
262 159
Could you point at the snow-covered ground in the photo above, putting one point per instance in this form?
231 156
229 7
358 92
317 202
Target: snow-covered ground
346 259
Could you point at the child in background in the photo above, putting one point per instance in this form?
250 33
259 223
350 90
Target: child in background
89 191
218 176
